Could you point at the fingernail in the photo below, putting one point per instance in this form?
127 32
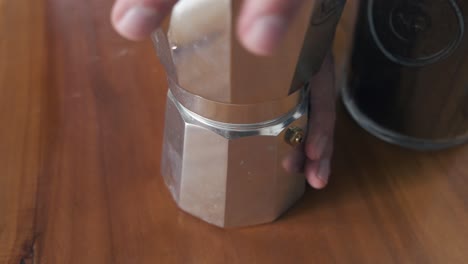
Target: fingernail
265 34
138 22
324 170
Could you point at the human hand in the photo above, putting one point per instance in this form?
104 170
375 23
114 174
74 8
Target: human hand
313 158
261 26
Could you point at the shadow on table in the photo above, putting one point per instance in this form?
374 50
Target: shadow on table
365 168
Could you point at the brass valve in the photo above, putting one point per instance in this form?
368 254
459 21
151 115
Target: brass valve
294 136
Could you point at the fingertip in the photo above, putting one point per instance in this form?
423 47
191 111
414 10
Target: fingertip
136 23
263 36
316 183
263 25
317 173
294 161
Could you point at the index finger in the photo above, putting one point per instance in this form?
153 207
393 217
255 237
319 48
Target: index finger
137 19
264 23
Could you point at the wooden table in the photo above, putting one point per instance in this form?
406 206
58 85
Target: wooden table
80 140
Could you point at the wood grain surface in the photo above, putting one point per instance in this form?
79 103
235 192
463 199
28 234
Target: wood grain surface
80 140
